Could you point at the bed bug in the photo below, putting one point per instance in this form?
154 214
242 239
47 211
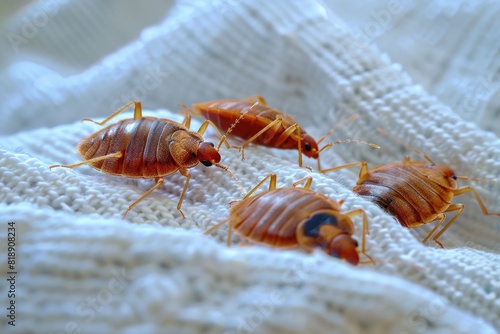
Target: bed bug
147 147
414 192
296 217
263 125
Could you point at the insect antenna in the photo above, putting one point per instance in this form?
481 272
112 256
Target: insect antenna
230 129
475 179
188 111
338 126
426 157
345 141
408 146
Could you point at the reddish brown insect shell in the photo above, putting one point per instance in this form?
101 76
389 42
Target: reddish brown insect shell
147 147
414 192
296 217
254 121
259 124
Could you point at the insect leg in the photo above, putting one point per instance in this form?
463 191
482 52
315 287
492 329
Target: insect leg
137 113
90 161
272 184
338 126
346 141
319 155
452 207
362 172
308 180
229 230
159 183
188 111
365 231
215 227
441 218
285 134
255 98
204 127
385 133
407 160
188 177
276 123
228 131
465 189
187 120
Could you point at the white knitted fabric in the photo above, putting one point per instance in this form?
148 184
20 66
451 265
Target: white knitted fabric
81 268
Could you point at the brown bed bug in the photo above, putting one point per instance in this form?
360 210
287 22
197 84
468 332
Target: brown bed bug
147 147
414 192
296 217
263 125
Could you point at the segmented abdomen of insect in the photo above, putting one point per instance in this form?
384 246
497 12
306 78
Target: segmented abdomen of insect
225 115
143 142
272 217
405 192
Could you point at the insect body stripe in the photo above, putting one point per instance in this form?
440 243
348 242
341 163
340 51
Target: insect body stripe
256 119
427 190
221 118
103 147
284 226
278 220
144 144
408 187
246 128
132 162
115 144
302 203
165 163
255 215
269 209
149 156
215 116
89 146
395 204
245 224
272 217
421 182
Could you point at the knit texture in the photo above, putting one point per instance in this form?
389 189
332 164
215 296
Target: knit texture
82 268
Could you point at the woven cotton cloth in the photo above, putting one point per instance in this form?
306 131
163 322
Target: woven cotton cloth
81 268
